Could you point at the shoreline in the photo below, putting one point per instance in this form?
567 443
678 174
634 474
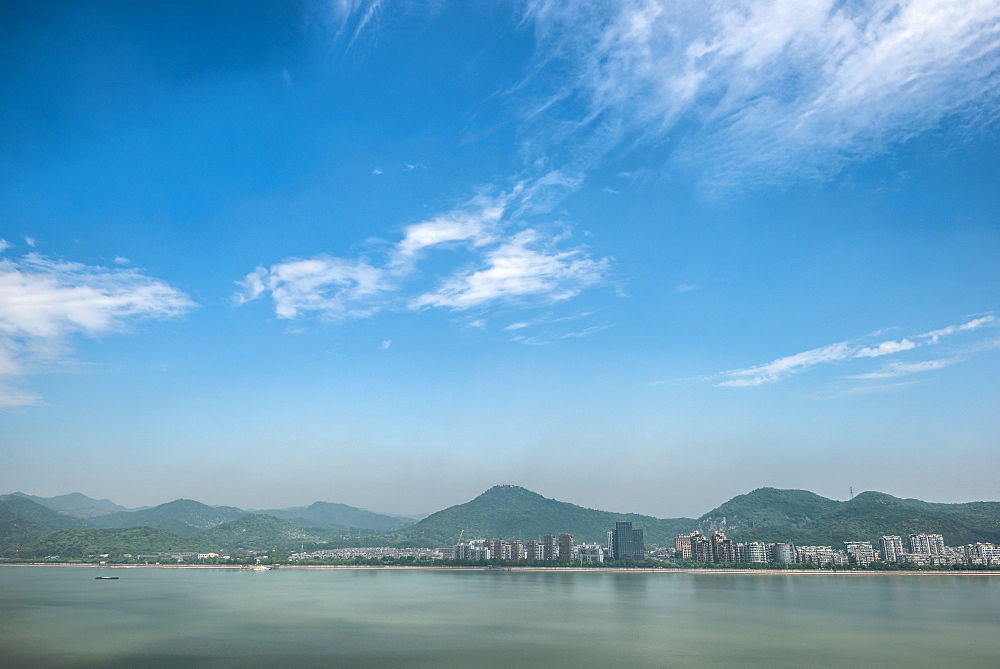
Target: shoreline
574 570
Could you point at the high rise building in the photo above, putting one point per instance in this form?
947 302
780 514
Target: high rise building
516 550
753 551
534 551
927 544
722 548
549 549
566 547
859 552
628 543
682 544
590 552
892 548
783 553
701 547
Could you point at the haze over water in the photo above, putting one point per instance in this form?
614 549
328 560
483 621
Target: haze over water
183 617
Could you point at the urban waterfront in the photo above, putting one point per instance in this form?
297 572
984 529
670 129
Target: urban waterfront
63 616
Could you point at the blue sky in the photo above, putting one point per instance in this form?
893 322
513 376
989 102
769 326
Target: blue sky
641 256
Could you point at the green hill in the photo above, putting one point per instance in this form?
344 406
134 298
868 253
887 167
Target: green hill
22 520
261 532
183 517
765 507
511 512
328 514
871 515
82 543
75 504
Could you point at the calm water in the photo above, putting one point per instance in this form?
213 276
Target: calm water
185 617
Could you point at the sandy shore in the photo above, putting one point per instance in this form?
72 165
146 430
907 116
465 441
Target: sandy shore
575 570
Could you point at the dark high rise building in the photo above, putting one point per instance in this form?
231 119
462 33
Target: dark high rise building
628 544
549 547
722 548
701 547
533 551
516 550
566 547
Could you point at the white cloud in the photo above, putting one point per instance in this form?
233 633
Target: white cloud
45 302
759 90
522 267
894 369
526 266
787 366
4 245
784 367
517 326
386 344
30 241
377 171
121 260
336 288
476 223
885 348
935 335
686 287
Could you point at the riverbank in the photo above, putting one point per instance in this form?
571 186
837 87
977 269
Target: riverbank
575 570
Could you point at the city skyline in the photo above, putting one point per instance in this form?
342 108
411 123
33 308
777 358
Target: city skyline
388 253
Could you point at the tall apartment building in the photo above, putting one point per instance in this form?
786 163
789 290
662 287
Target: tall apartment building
859 552
682 544
783 553
722 548
628 543
927 544
549 548
701 547
534 551
892 548
516 550
590 552
566 547
753 551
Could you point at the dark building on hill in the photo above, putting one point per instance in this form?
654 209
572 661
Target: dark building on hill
566 547
626 543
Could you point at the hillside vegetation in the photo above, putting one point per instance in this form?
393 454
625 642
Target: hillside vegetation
183 517
512 512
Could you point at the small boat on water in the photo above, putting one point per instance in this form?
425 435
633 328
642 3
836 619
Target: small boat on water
106 578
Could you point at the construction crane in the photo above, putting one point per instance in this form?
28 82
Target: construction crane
460 537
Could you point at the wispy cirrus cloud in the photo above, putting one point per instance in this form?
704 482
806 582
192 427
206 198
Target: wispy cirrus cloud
785 367
757 91
45 302
524 266
512 264
894 369
337 288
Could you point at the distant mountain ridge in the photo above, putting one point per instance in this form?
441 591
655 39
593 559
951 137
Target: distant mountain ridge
512 512
501 512
74 504
328 514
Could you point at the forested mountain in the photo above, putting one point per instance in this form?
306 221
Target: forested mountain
81 543
502 512
327 514
22 520
75 504
183 517
872 514
764 507
511 512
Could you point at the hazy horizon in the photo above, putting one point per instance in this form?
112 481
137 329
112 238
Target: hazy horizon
637 256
